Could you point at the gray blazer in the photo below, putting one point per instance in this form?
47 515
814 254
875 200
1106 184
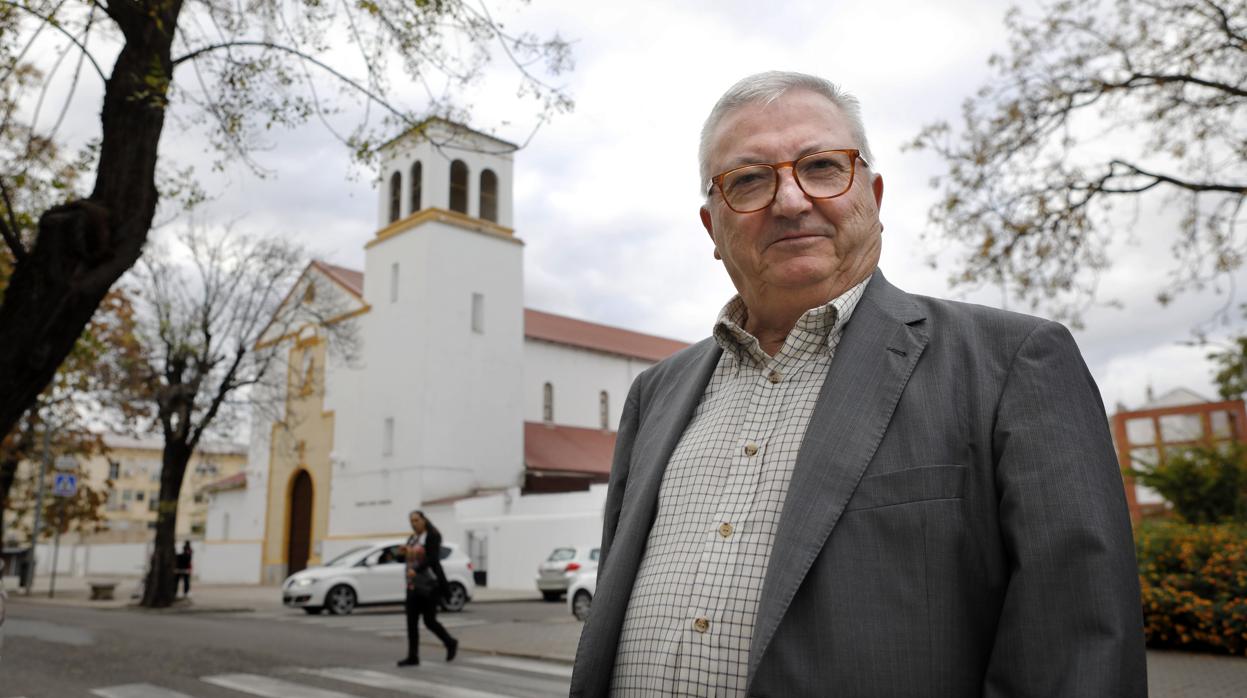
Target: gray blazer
955 525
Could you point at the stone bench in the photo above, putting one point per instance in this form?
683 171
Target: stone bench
102 591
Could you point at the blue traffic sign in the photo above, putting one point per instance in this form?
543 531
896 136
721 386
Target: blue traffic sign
65 485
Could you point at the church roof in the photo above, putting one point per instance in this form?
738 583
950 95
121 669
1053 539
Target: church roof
561 329
556 448
549 327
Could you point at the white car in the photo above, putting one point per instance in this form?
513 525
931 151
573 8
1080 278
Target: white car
555 575
372 574
580 593
2 599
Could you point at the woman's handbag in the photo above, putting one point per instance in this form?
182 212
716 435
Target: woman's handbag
425 584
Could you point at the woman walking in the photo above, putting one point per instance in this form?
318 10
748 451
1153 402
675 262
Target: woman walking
426 585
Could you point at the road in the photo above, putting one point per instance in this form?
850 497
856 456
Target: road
64 652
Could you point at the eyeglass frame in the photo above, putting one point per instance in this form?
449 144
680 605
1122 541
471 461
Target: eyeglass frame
854 153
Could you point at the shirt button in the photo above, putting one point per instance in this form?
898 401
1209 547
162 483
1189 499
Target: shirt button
701 625
751 449
774 376
725 530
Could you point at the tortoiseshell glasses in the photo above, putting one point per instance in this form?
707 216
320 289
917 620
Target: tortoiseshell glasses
822 175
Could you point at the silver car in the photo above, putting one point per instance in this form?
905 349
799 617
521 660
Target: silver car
555 575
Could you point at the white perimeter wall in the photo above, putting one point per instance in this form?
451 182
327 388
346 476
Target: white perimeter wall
578 376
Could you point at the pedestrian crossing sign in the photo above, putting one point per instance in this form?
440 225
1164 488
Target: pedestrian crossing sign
65 485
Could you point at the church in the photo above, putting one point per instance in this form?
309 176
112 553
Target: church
497 420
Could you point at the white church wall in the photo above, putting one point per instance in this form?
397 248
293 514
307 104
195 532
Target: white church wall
578 377
228 562
438 410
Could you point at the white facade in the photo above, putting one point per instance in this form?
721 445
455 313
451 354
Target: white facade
430 413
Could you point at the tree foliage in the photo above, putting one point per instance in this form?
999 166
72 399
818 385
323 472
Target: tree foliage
239 69
1230 368
1205 484
1098 103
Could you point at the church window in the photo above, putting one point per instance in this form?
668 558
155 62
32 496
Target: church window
604 407
387 437
394 282
478 313
396 189
547 405
459 186
489 196
417 176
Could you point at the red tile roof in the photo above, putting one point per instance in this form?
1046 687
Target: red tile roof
350 279
589 335
554 328
555 448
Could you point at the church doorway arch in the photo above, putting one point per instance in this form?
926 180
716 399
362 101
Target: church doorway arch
299 540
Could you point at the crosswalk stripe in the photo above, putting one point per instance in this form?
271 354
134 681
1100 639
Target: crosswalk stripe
269 687
137 690
531 665
419 687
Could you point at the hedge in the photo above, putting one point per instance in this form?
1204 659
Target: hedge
1194 581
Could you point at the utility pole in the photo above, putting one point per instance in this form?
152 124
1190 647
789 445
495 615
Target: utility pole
34 534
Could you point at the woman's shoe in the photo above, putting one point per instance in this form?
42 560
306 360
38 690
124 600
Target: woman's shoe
410 661
451 649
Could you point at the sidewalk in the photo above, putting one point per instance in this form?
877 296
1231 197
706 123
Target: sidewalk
205 598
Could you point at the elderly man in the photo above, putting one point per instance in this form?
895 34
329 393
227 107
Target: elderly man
850 490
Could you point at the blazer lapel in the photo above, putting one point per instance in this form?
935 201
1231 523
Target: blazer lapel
880 347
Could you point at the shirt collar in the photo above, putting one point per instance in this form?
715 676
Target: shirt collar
817 328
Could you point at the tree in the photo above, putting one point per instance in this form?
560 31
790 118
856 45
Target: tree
94 388
200 327
1098 102
1205 484
1230 364
239 68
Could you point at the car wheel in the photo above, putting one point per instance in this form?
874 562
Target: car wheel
313 610
551 595
340 600
580 605
456 599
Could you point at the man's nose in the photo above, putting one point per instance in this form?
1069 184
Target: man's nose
789 199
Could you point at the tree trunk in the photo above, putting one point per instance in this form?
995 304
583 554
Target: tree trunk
8 473
83 247
161 587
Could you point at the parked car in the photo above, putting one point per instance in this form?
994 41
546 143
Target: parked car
554 576
372 574
580 593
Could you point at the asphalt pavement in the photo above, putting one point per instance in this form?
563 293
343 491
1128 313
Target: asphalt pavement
239 640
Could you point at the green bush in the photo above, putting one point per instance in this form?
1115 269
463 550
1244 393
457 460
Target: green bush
1205 484
1194 581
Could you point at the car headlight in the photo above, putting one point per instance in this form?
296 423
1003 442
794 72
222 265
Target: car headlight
301 583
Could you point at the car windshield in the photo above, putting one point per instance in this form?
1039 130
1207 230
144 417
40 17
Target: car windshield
348 558
561 554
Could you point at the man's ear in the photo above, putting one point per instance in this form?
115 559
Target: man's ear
876 185
708 223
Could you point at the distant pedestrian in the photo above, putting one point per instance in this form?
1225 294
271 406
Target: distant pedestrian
183 570
426 587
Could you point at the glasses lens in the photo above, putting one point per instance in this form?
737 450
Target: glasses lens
749 188
825 174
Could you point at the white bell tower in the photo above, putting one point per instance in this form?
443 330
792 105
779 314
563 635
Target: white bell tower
441 401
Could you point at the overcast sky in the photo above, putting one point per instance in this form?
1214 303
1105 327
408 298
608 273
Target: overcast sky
647 72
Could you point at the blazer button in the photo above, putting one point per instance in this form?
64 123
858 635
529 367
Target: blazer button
751 449
701 625
725 530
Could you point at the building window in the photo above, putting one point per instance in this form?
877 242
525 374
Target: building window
127 495
478 313
394 282
153 504
138 496
396 189
604 408
387 438
114 470
417 177
489 196
459 186
547 403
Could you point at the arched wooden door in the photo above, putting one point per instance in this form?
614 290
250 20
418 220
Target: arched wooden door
300 540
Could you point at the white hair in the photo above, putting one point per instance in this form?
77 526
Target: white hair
766 88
